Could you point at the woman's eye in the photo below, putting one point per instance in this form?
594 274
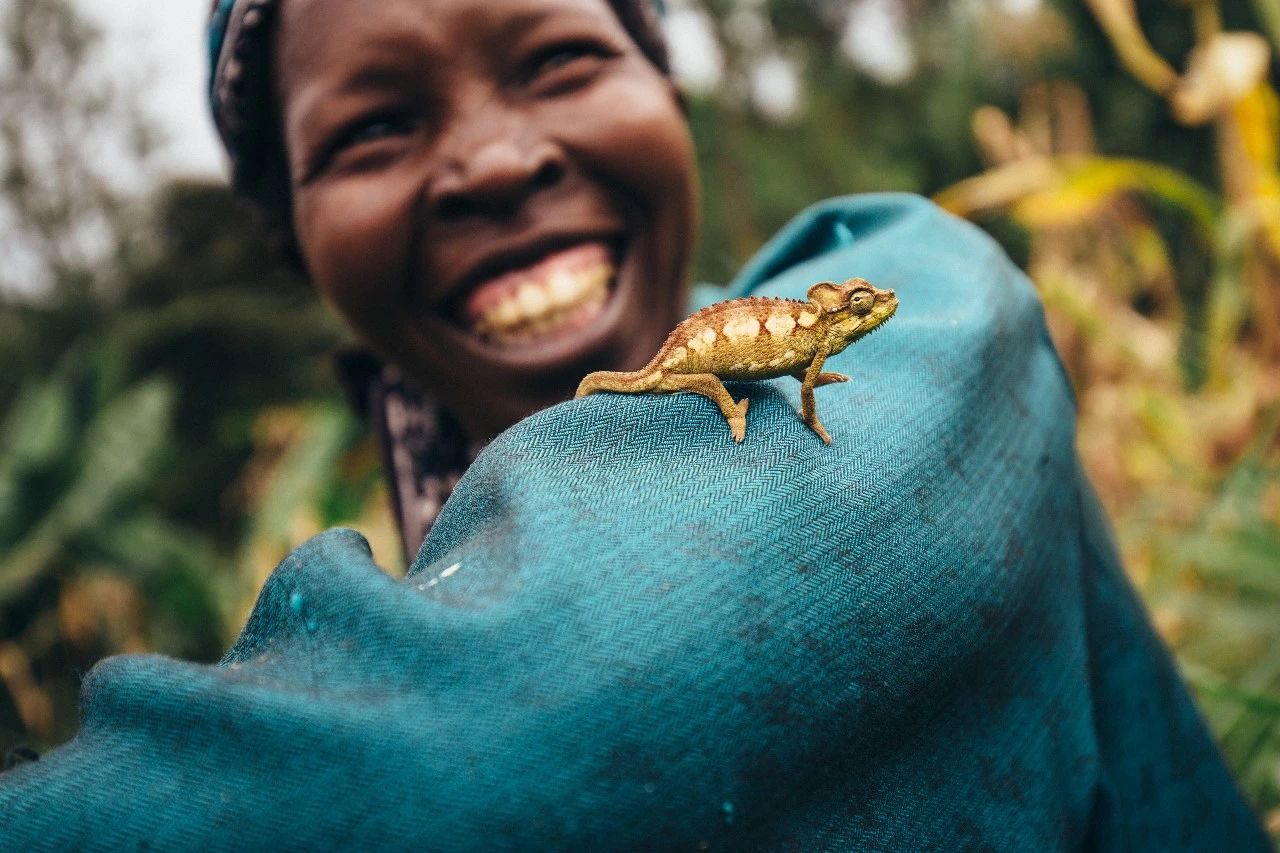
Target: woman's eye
565 57
355 145
372 131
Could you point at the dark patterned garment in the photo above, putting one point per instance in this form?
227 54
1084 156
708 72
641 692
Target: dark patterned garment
424 450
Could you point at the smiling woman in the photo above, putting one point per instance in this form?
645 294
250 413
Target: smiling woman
433 173
625 630
451 203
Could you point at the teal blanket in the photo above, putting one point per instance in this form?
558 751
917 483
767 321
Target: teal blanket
628 632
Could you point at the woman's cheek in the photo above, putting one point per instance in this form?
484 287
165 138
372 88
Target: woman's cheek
651 154
648 140
355 235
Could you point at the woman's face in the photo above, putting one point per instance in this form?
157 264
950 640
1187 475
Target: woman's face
498 195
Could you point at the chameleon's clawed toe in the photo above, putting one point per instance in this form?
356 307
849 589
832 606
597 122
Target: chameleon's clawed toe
817 427
738 423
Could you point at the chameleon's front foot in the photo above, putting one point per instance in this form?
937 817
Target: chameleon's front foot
738 423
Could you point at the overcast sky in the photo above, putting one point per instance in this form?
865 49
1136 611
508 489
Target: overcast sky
158 42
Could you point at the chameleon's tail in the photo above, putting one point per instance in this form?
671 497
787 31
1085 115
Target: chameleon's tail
605 380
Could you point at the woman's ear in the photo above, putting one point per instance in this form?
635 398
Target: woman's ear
828 295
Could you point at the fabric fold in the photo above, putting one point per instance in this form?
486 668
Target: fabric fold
626 631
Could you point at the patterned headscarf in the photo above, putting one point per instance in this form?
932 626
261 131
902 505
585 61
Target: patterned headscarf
244 109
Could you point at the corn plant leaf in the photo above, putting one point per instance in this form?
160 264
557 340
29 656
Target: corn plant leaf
1085 184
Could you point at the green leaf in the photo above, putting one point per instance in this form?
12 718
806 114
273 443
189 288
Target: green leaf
308 468
38 427
147 545
1211 684
37 430
119 444
188 585
1241 488
1248 560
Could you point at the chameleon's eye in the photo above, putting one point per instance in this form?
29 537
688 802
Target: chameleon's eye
860 302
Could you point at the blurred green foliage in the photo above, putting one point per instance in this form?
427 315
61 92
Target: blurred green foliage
161 431
167 407
169 426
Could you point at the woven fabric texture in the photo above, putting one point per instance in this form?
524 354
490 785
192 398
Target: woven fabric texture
627 632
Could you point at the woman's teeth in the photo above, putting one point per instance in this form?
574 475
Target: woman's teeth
538 307
563 291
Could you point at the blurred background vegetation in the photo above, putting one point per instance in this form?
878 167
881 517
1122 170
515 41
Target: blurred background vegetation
170 425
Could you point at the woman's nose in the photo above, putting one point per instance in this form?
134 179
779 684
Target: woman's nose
495 176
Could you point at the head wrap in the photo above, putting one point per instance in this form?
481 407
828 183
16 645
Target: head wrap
243 104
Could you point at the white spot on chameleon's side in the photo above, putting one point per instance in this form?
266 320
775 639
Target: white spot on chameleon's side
780 324
740 366
678 355
806 319
745 327
698 344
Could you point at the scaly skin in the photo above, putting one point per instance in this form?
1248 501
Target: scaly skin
758 338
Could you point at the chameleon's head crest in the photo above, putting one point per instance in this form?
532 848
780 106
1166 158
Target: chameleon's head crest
827 295
853 309
857 296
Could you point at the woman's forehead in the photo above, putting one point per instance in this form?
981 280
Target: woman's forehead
331 38
427 12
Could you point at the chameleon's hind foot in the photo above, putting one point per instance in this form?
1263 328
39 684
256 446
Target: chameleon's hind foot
816 426
738 423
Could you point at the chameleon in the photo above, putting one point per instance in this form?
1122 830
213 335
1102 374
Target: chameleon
758 337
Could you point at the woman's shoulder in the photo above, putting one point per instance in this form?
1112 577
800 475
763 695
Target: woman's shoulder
872 229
